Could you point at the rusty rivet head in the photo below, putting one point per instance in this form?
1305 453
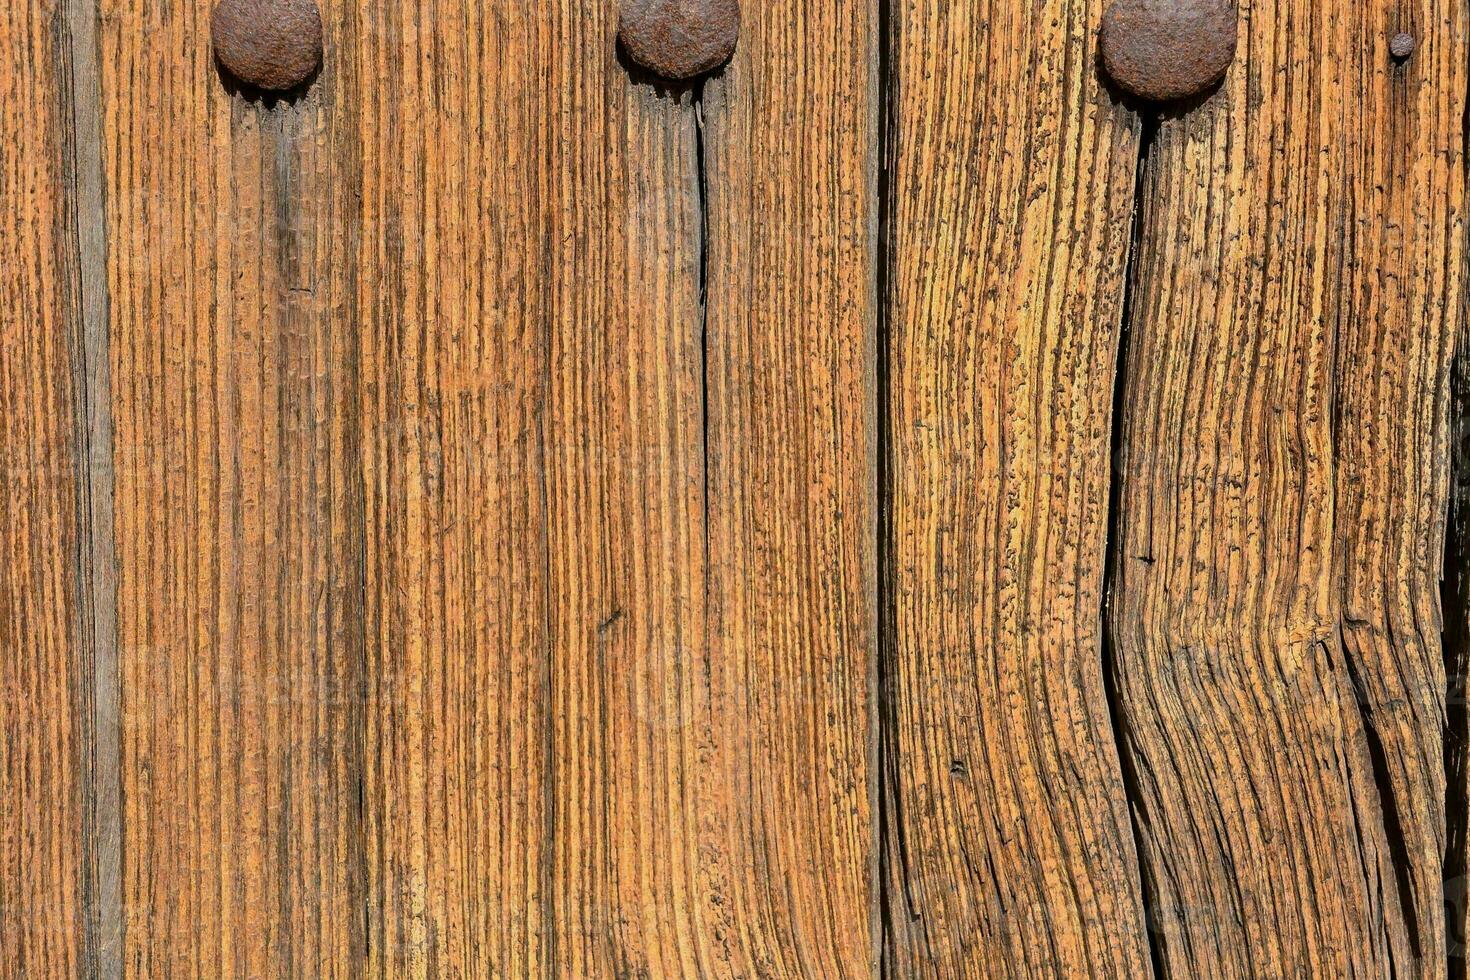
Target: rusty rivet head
271 44
1164 50
679 39
1401 46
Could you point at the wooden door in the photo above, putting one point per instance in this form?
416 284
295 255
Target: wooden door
895 506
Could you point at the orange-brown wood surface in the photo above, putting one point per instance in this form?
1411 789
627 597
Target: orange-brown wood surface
237 510
894 506
1009 847
445 117
43 888
1283 481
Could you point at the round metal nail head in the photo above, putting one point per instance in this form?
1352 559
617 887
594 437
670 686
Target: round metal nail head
1402 46
679 39
270 44
1165 50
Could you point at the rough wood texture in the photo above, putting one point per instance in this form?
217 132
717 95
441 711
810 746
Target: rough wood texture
790 157
1297 298
42 915
612 811
1008 846
636 887
500 443
1398 317
451 292
238 528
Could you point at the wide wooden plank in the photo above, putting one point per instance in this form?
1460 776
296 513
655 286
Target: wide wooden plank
1008 846
1284 477
450 288
540 513
237 517
42 667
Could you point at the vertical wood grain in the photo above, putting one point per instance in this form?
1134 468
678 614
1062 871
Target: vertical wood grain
451 285
576 468
1284 477
42 916
1399 315
630 719
1008 846
99 690
236 506
790 152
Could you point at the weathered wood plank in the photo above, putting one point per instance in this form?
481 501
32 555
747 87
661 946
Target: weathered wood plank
681 699
451 286
1298 296
631 709
544 401
790 151
42 916
237 518
1008 845
1399 315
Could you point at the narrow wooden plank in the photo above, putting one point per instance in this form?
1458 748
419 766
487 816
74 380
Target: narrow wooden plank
1008 845
631 720
451 286
1284 477
100 691
42 918
237 518
710 499
790 161
1399 316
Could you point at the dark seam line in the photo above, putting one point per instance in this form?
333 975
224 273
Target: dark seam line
1455 638
891 834
701 286
1148 136
1387 802
550 951
701 178
882 87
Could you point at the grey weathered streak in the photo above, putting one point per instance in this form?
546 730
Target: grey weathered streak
98 703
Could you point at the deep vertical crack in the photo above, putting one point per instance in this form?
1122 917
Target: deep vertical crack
1147 137
1389 806
1455 609
701 187
1455 598
890 842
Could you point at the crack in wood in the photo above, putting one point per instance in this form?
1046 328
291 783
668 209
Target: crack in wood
1147 138
1455 600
